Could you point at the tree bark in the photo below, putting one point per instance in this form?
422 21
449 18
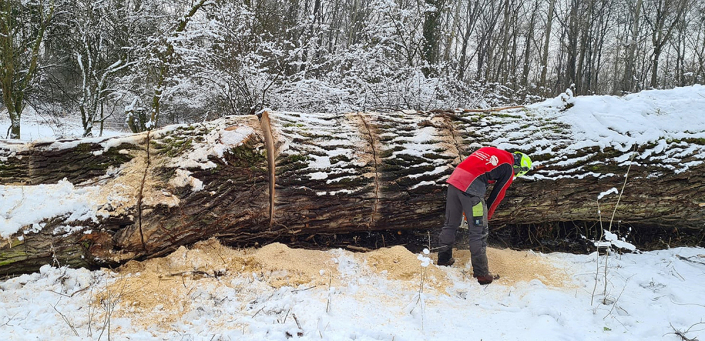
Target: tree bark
289 175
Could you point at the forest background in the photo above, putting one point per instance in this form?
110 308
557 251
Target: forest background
146 63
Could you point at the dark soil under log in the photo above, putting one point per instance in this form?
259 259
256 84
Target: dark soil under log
572 237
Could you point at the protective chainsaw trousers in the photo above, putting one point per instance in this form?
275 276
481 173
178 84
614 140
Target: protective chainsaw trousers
475 209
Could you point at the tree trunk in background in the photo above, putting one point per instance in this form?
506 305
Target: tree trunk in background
488 21
546 41
586 40
573 30
333 174
527 46
19 54
668 15
628 82
498 64
431 35
472 14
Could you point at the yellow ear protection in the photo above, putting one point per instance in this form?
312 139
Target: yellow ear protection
522 163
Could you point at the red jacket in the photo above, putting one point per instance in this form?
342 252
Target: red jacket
484 166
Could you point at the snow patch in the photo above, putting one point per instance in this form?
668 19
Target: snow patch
29 205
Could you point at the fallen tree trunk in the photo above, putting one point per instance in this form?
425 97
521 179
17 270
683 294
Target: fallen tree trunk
248 180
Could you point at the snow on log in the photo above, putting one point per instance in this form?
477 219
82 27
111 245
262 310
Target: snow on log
249 179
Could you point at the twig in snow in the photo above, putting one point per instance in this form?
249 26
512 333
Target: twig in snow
54 259
617 300
109 304
215 273
296 320
676 272
304 289
9 319
358 248
419 300
682 335
258 311
66 319
690 259
428 233
330 279
287 315
74 293
609 228
300 333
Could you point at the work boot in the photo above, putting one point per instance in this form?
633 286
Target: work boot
478 259
445 256
486 279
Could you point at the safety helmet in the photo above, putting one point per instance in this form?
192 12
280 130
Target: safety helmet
522 163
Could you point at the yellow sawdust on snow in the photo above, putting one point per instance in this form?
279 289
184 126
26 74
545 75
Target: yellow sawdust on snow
161 287
517 266
295 266
400 264
160 291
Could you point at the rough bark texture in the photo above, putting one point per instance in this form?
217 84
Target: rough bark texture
333 174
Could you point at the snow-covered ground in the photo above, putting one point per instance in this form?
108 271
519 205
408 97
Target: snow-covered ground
274 293
38 127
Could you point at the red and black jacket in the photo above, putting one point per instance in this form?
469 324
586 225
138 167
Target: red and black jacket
484 166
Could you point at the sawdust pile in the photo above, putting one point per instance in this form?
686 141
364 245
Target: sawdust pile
400 264
164 285
517 266
164 288
293 267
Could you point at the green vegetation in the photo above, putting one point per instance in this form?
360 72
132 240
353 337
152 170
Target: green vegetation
172 146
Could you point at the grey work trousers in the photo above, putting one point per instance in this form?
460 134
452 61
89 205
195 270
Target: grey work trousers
458 202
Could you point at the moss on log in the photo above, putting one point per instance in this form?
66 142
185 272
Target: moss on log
333 174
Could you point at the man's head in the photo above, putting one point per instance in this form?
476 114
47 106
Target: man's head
522 163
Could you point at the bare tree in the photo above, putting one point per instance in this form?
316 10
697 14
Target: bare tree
572 29
22 27
466 28
98 58
488 23
697 42
530 31
165 59
546 42
629 78
662 18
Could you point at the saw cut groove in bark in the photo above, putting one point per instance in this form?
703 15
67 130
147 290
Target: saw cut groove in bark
269 143
311 175
371 140
139 197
